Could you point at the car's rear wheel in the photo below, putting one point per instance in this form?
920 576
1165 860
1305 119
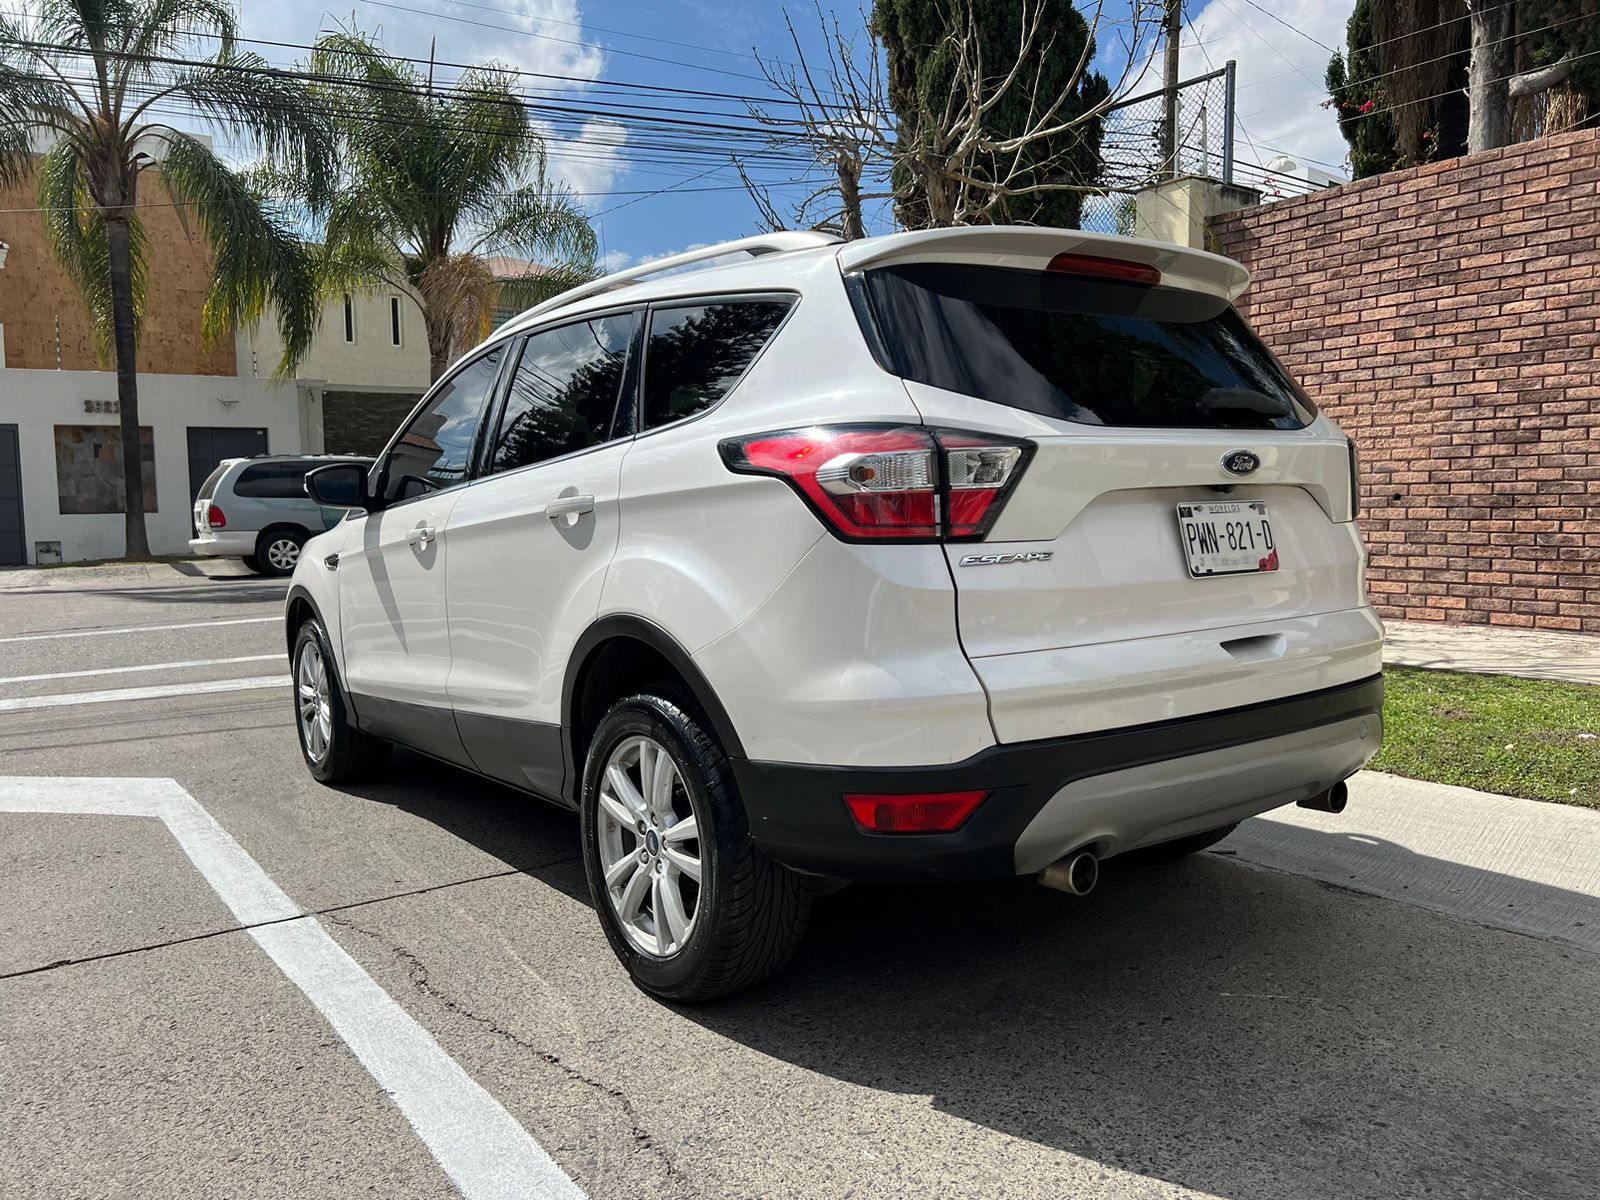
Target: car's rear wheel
334 750
278 550
692 908
254 563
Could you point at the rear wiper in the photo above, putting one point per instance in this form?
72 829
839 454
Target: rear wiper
1244 399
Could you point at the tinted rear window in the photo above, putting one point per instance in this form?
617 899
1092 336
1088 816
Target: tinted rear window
1094 351
209 487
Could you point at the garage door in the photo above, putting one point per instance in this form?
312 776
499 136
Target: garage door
11 552
210 444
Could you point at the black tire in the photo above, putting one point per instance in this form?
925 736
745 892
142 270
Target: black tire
273 556
254 563
751 912
1182 847
350 755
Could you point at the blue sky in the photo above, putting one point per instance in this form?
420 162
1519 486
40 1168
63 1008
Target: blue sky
706 46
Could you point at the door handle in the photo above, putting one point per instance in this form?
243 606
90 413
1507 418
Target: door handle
569 506
418 539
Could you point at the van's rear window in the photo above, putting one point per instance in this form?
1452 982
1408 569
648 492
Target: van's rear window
1095 351
209 487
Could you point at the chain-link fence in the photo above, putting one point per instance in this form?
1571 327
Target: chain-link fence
1132 156
1131 150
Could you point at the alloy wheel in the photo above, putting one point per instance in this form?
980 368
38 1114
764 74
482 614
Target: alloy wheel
649 840
314 701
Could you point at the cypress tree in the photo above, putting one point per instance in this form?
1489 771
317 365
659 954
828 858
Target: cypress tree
922 75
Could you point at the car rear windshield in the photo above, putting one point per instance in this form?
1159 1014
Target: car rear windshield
1100 352
209 487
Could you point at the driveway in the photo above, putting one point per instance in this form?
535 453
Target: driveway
242 983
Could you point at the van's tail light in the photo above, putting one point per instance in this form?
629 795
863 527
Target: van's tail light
215 519
889 483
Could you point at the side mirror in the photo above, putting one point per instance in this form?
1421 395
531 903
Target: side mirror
339 485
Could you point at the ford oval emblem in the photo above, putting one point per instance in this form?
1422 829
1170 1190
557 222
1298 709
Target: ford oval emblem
1240 462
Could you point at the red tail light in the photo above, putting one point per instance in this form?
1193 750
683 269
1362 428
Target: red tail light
1096 266
888 483
919 812
215 519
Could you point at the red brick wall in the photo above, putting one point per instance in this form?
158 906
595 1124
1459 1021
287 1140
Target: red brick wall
1448 317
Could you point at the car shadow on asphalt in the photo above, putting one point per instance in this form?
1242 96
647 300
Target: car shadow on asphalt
527 834
1237 1031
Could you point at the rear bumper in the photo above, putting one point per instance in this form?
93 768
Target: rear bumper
225 544
1114 790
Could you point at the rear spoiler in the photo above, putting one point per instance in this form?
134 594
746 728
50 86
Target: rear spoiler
1031 248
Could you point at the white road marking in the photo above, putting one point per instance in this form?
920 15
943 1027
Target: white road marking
159 692
480 1146
77 633
168 666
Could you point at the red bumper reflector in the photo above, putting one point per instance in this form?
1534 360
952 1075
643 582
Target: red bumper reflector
915 812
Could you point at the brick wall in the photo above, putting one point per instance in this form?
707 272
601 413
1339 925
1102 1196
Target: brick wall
34 291
362 422
1448 317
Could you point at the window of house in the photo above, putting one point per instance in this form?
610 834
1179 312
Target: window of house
435 450
89 468
698 352
349 318
394 319
563 397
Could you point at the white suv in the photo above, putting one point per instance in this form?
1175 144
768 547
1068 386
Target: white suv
945 555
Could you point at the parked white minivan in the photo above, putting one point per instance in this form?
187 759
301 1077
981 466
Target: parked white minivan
945 555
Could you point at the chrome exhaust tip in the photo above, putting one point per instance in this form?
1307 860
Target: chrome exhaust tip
1331 801
1076 874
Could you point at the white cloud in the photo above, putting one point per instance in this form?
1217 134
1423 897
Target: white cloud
538 37
1280 75
591 162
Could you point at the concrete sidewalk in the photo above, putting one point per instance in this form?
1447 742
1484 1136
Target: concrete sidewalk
1522 865
1493 650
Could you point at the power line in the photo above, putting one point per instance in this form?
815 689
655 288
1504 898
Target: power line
1291 28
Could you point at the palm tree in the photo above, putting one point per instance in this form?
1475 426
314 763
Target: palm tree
434 181
89 75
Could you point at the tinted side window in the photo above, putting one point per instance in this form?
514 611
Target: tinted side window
276 481
697 353
563 396
435 451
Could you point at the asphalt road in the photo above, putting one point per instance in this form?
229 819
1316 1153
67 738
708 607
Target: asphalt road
1206 1029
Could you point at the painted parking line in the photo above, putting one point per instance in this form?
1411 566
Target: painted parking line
166 666
486 1153
159 692
82 633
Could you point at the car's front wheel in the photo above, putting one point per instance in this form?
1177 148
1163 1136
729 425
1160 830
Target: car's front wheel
335 750
692 908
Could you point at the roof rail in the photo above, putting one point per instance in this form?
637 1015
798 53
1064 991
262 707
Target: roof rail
765 243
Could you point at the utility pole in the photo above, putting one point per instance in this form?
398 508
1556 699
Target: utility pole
1169 99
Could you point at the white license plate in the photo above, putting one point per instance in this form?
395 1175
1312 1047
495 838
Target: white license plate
1227 538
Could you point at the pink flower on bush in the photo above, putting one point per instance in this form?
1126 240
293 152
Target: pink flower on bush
1369 106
